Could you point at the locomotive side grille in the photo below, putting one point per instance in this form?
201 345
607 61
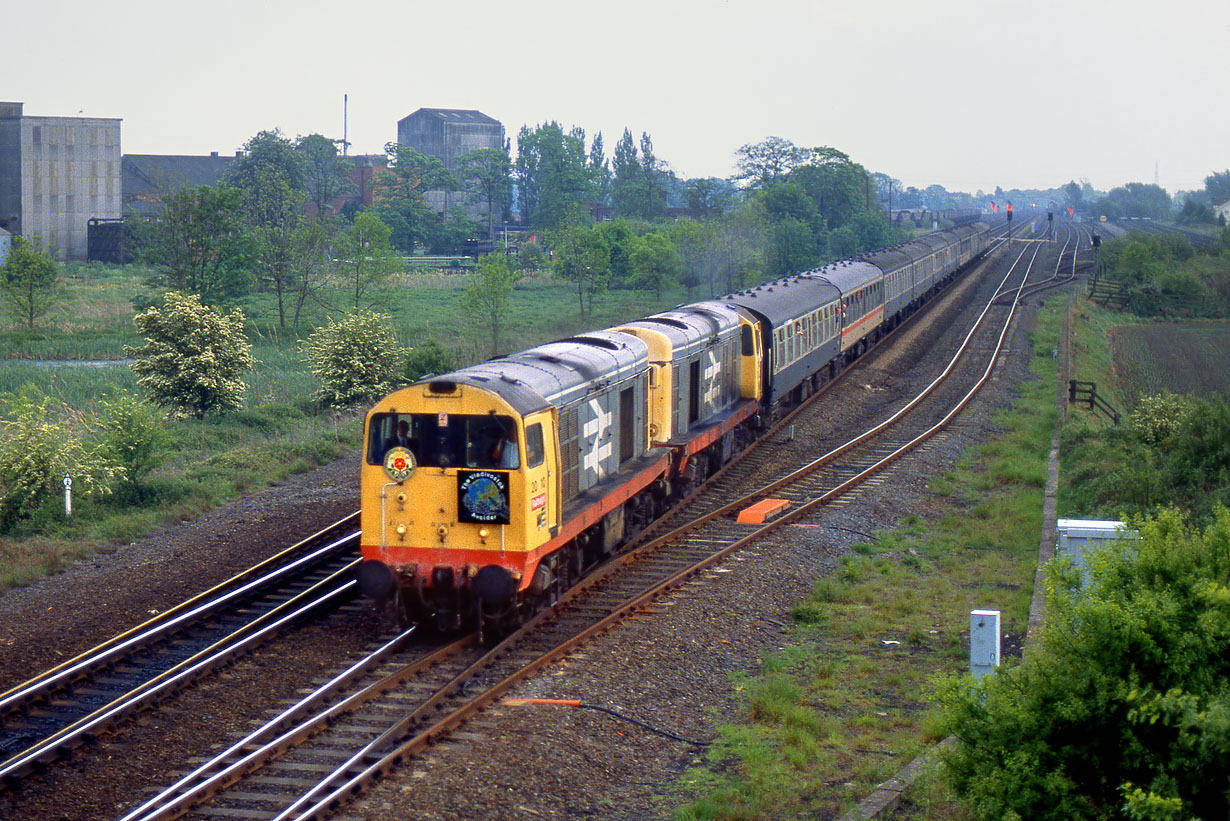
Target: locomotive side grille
569 447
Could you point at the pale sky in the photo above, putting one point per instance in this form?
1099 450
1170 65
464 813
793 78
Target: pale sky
968 95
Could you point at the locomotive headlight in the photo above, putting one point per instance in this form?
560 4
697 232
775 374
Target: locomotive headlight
442 532
401 530
483 532
401 498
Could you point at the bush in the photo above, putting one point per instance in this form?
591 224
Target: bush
428 358
194 357
133 434
357 360
1157 418
38 447
1124 709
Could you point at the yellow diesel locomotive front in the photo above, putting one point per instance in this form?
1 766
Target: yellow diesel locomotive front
458 499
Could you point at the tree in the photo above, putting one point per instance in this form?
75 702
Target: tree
487 295
357 359
427 358
194 358
1195 211
198 245
1123 710
1074 195
600 171
29 282
583 256
399 195
620 240
133 435
267 154
693 242
739 248
1136 199
312 250
1217 186
794 247
626 183
652 170
843 242
872 229
836 185
277 211
552 173
366 254
709 194
768 161
324 172
449 234
487 173
38 446
655 264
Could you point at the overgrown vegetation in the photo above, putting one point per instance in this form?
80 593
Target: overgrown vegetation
1166 276
28 282
1172 452
1124 709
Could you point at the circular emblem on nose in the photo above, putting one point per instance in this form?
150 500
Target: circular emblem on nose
399 463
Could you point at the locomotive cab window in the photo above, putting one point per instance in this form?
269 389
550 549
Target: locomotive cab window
534 450
447 440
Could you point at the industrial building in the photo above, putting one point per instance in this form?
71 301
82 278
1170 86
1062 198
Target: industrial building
450 134
56 174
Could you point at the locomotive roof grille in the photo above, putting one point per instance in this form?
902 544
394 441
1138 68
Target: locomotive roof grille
674 323
597 342
442 386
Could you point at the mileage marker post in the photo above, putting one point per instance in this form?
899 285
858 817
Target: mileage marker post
68 495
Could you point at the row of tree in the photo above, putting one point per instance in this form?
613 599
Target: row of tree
1138 199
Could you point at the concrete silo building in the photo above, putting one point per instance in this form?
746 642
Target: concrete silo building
56 173
450 134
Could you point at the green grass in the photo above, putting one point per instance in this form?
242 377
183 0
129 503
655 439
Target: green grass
823 721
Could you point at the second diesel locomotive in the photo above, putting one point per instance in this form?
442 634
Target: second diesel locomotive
488 491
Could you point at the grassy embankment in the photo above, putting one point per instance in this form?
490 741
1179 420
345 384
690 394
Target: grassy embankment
279 432
825 720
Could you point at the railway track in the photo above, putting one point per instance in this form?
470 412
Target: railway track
355 740
48 717
1068 265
